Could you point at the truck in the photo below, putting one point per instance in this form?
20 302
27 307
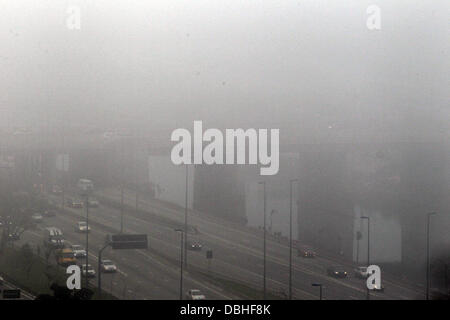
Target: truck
65 257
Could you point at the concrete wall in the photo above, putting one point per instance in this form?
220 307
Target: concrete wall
168 180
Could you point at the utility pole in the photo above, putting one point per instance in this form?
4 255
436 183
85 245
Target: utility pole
181 261
122 173
368 250
186 218
87 238
99 269
290 237
121 207
428 254
136 172
264 242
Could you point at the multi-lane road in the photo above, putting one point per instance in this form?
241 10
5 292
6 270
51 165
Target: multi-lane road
141 274
237 255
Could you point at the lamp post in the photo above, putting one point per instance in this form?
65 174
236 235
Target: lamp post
99 268
428 254
87 237
121 207
368 249
290 236
320 289
264 242
181 261
271 219
186 217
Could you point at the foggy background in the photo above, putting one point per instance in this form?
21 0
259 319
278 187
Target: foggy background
311 68
364 113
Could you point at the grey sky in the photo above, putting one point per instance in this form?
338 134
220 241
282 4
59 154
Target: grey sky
303 65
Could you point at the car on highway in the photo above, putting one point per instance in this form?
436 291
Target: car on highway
194 246
379 288
337 272
195 294
78 251
53 238
37 217
49 213
361 272
14 236
75 203
85 185
82 227
306 252
87 271
56 189
65 257
93 203
108 266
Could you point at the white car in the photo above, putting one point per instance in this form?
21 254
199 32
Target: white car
361 272
195 294
78 251
108 266
37 217
93 203
83 227
87 271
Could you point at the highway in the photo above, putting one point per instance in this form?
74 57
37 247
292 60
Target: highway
154 274
141 274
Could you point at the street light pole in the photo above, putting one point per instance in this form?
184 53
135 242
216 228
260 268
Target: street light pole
87 239
368 249
290 237
121 207
100 270
264 242
428 254
186 218
181 261
320 289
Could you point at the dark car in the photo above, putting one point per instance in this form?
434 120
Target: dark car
14 236
194 246
306 252
337 272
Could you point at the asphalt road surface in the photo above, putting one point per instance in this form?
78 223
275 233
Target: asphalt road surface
237 250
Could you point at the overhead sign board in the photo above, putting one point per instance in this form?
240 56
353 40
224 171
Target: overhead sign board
129 241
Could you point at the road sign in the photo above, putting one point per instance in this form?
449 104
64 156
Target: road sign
129 241
11 294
